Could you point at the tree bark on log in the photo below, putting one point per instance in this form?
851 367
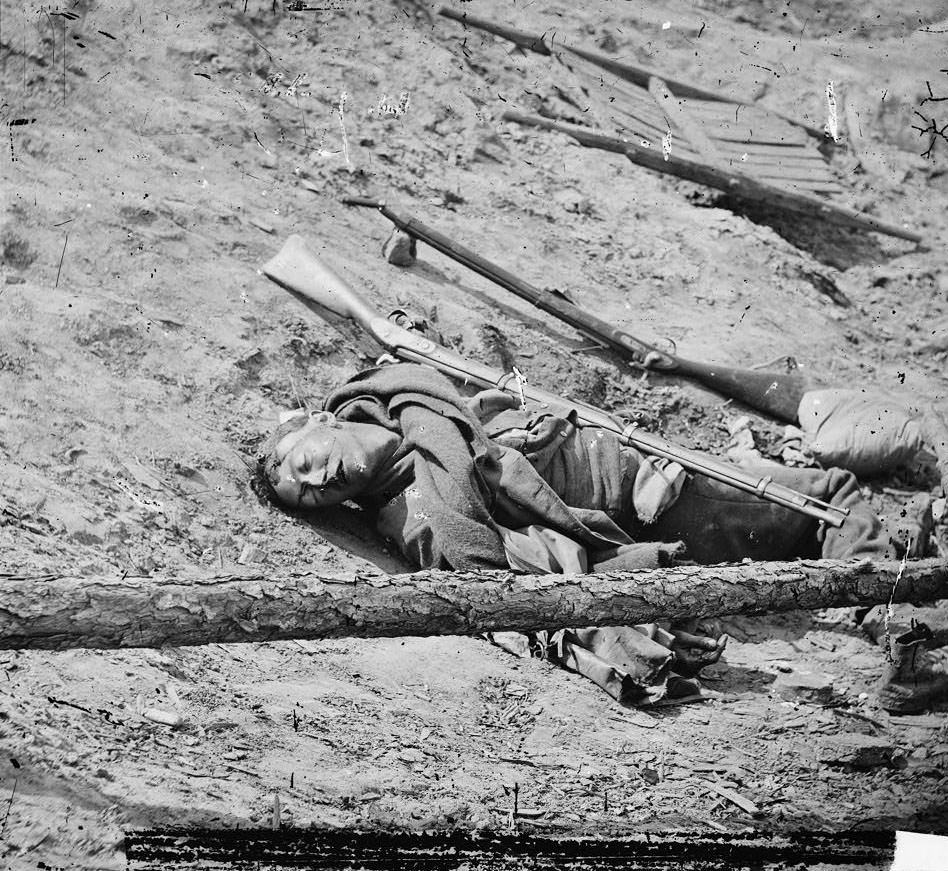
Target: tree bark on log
57 613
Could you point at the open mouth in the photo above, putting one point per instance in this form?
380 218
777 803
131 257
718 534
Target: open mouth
336 481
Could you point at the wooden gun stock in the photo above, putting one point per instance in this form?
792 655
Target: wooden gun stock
297 269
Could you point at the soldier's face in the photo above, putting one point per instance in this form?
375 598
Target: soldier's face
322 464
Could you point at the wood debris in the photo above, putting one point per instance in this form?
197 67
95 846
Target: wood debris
745 804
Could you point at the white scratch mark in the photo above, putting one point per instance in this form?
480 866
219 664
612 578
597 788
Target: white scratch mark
832 122
342 123
667 144
521 380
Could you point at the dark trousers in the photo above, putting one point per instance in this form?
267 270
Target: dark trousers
718 523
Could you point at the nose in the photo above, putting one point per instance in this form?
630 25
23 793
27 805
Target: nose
311 465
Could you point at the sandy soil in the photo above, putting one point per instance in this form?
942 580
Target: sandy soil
143 357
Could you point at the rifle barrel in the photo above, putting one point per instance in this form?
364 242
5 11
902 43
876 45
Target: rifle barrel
775 393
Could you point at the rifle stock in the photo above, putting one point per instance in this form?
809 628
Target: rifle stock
297 269
775 393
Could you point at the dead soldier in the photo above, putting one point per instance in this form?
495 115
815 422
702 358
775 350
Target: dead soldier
480 484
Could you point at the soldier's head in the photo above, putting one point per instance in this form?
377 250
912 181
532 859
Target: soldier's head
315 460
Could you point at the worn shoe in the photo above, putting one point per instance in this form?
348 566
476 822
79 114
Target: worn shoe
911 682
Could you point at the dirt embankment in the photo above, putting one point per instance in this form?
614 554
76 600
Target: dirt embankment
164 154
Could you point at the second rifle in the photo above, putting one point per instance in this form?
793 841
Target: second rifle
775 393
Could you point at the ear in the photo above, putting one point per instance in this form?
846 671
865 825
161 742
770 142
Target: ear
327 418
289 415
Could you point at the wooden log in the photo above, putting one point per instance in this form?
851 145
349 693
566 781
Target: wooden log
736 184
57 613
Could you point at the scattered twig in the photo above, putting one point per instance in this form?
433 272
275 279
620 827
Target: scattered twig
935 132
3 825
745 804
106 715
61 258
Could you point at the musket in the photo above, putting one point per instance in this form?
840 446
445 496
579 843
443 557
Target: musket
297 269
775 393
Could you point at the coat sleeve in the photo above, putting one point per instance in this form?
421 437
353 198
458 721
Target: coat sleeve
406 526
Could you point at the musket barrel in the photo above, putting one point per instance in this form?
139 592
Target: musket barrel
775 393
524 40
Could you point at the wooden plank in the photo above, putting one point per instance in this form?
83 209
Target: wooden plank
815 184
750 134
790 170
638 117
771 171
624 113
737 112
679 144
807 162
630 97
653 135
774 151
812 184
737 185
795 156
760 125
803 184
640 75
679 121
742 115
796 176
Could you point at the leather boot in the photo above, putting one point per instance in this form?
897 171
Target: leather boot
911 683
